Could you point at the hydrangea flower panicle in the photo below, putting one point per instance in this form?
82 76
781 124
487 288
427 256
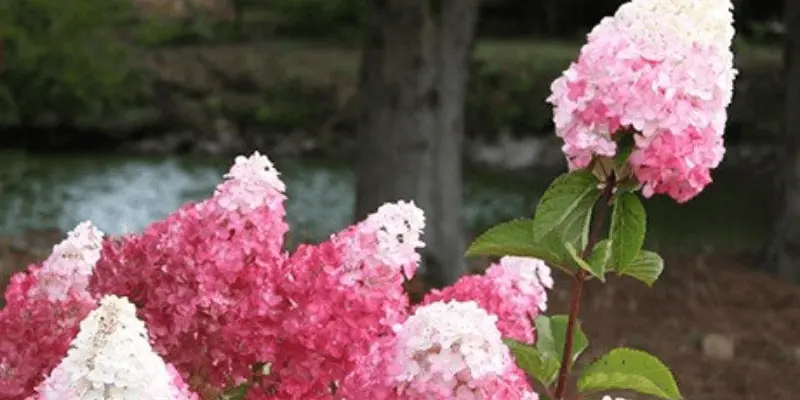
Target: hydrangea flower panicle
112 358
204 279
663 68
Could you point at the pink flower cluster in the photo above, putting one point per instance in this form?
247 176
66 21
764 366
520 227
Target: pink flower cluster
216 294
205 276
44 307
664 70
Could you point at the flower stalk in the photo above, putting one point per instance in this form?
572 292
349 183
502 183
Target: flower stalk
579 278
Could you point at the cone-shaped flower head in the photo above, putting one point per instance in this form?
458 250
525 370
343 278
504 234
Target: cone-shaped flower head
111 358
664 70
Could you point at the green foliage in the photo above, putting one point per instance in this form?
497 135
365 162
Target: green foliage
236 393
500 99
159 31
566 206
629 369
292 106
552 334
63 57
340 19
646 267
513 238
628 225
534 362
600 257
543 360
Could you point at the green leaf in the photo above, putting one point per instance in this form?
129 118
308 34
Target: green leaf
567 196
542 367
575 229
601 255
625 147
628 224
551 333
629 369
512 238
597 273
236 393
646 267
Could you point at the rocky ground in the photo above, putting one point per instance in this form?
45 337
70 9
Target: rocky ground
727 331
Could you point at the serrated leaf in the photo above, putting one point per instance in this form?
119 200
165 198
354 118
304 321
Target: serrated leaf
646 267
565 197
601 255
513 238
628 225
597 273
541 367
551 334
629 369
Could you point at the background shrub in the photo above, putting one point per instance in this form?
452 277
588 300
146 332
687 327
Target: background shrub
63 59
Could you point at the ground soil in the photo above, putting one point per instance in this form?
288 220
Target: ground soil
699 295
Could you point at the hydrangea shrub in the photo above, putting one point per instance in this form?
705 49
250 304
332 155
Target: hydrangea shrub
209 304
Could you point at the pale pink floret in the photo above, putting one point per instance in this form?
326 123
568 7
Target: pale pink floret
514 290
664 69
71 263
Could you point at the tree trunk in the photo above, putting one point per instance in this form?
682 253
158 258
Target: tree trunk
783 254
412 88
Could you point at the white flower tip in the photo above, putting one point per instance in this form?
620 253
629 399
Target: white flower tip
71 262
110 352
530 267
401 218
705 22
398 227
450 328
257 169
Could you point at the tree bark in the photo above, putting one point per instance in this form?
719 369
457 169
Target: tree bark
412 90
783 253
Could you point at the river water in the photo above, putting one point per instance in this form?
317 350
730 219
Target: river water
124 194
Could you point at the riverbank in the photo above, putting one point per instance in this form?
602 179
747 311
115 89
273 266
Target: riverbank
298 97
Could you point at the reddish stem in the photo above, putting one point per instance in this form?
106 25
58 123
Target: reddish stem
577 287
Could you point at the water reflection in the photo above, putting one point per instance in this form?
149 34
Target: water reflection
125 194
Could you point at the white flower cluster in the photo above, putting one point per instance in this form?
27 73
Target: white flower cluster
110 358
451 342
399 229
71 263
534 275
250 183
667 23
